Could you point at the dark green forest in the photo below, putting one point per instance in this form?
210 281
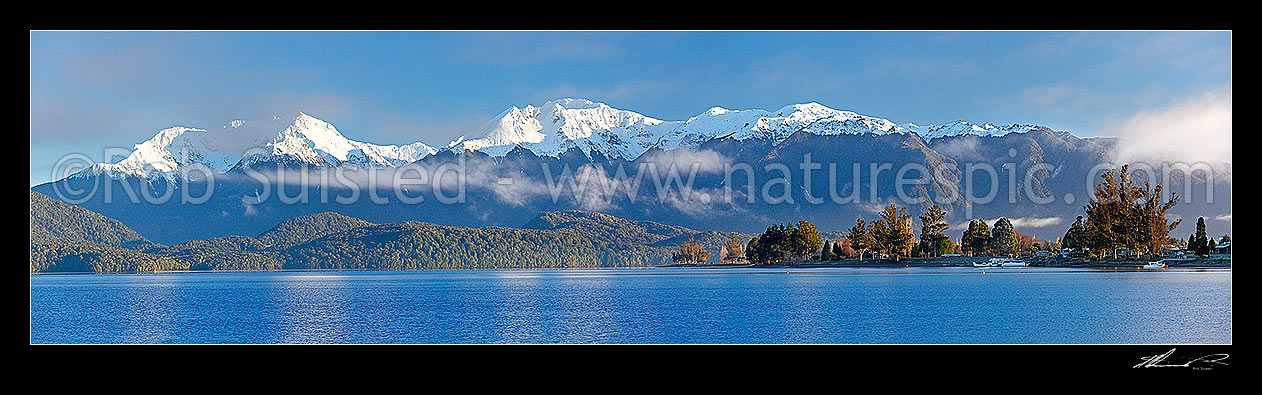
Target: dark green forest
68 238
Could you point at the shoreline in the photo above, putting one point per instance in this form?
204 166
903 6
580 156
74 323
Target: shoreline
1197 265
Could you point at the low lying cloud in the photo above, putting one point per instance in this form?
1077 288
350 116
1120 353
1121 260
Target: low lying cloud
1035 222
961 149
1020 223
1195 130
685 159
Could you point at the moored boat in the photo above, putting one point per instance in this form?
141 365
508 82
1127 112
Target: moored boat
1001 262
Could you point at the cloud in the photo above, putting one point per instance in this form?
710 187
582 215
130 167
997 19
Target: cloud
249 208
1224 217
1035 222
685 159
1019 223
960 149
1193 130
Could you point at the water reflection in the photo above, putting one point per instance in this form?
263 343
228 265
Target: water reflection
517 313
312 308
636 306
150 306
584 304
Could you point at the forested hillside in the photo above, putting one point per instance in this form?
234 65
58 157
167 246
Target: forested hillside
334 241
53 221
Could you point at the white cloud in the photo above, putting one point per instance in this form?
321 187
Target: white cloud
685 159
1019 223
1194 130
1035 222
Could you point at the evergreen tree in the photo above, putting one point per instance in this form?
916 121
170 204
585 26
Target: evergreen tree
1076 236
945 246
1003 239
770 247
826 253
977 238
752 251
805 240
1111 216
860 238
1199 243
843 249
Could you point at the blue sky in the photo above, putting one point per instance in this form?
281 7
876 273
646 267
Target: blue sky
92 90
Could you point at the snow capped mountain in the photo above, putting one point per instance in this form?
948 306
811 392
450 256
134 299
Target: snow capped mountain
559 125
316 142
549 129
168 151
959 128
811 117
305 139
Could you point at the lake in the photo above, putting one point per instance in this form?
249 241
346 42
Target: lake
651 305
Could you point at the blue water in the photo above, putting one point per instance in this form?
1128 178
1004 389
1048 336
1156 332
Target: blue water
836 305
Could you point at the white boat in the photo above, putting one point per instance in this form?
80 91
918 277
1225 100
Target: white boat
1012 263
1000 262
1158 265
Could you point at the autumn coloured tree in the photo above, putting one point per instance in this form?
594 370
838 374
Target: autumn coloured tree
932 230
691 253
732 253
860 238
843 249
1121 214
892 233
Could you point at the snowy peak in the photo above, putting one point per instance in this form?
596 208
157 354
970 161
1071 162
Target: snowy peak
818 119
168 151
304 139
559 125
778 125
313 141
549 129
960 128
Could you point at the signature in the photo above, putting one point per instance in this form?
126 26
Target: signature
1202 363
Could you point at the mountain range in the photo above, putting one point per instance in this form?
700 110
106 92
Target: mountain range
514 168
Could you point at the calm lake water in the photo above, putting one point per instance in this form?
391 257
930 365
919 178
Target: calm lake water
657 305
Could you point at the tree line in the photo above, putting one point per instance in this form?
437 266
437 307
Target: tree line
1123 215
891 235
